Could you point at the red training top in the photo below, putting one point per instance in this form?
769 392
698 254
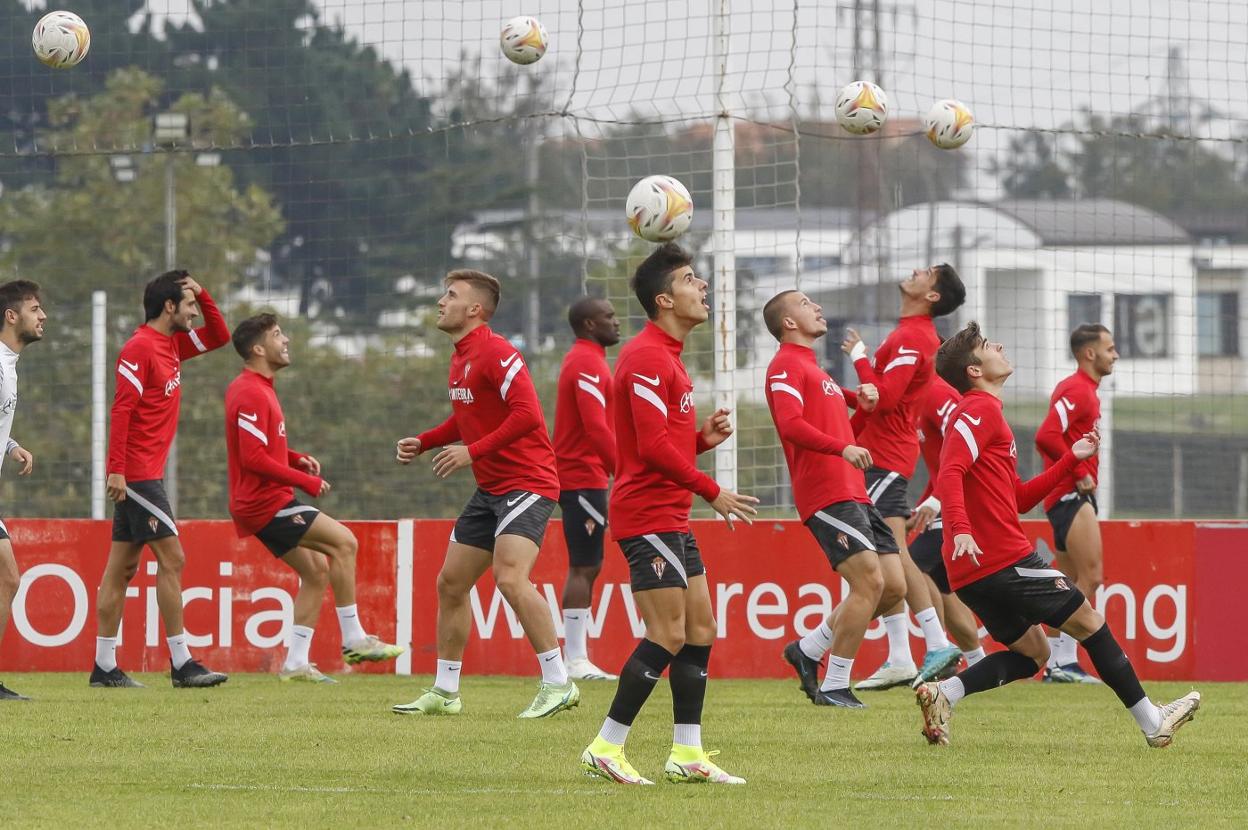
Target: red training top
812 419
263 471
657 439
979 479
933 420
1074 409
495 411
149 391
903 369
584 411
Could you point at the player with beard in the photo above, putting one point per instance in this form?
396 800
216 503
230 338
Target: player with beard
902 372
1075 408
991 562
658 441
21 323
585 453
497 416
144 421
263 475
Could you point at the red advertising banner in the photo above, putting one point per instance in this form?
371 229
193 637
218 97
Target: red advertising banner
1167 595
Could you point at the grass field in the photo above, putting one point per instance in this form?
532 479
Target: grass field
253 753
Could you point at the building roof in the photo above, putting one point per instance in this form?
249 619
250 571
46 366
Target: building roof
1091 222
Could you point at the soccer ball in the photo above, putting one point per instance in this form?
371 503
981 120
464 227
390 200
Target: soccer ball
523 40
659 208
61 39
861 107
949 124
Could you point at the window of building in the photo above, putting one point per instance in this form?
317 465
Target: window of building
1142 325
1217 324
1082 308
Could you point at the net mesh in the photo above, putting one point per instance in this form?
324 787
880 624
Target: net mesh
342 155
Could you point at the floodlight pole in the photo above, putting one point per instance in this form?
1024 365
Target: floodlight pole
723 225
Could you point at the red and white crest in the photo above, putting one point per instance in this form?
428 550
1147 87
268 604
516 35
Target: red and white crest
658 564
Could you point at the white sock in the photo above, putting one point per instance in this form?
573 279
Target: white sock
973 657
447 678
932 632
837 676
1067 649
898 640
1055 647
614 732
178 652
816 644
106 653
1148 715
349 622
300 645
574 624
688 734
953 689
553 669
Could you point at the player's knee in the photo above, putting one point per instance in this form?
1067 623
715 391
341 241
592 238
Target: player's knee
171 561
871 586
129 571
349 546
511 584
702 632
449 589
892 589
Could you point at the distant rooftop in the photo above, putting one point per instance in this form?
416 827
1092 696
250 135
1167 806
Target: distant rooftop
1091 222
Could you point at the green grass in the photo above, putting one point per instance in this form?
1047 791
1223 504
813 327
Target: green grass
253 753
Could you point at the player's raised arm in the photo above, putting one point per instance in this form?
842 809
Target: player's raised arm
213 334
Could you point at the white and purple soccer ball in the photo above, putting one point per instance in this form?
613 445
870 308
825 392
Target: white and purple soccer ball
61 40
659 208
523 40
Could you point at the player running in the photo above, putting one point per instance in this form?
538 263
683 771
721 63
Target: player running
263 475
144 420
585 453
495 412
21 323
811 414
991 562
927 526
658 441
902 371
1074 409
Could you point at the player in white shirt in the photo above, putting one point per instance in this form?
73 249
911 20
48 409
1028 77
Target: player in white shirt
21 323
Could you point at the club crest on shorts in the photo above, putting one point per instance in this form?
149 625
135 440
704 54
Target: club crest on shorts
590 527
1061 584
298 519
842 540
658 564
153 523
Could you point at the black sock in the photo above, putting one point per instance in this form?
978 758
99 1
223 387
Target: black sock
642 670
688 678
995 670
1113 666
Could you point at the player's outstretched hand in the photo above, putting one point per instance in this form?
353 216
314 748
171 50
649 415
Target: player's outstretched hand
115 486
717 428
729 505
859 457
24 457
964 543
868 396
454 457
406 450
852 345
921 519
310 465
189 282
1087 446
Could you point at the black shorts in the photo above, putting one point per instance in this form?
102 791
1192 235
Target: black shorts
584 525
1063 515
925 552
4 531
287 527
662 560
887 491
847 527
145 515
487 516
1027 593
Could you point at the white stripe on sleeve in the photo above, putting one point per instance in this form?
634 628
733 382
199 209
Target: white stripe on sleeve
516 366
199 344
905 360
789 390
648 395
254 430
1060 408
965 431
586 386
125 372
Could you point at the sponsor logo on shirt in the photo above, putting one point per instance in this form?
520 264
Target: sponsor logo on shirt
173 384
589 377
281 429
654 381
686 402
1013 449
830 387
507 362
461 394
904 350
133 367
